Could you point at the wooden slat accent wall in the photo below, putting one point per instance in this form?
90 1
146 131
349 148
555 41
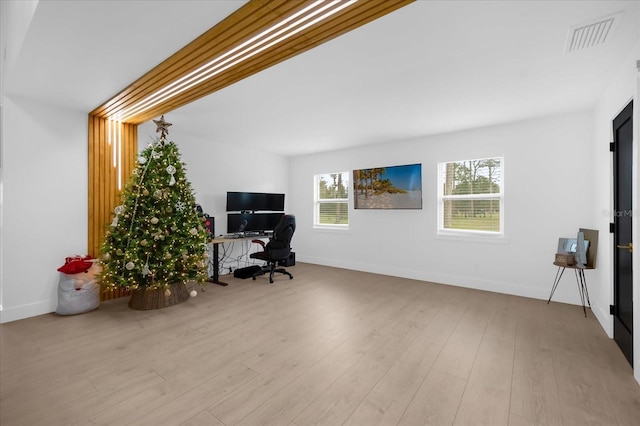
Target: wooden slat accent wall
104 193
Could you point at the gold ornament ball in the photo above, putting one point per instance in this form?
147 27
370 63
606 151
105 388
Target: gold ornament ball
167 293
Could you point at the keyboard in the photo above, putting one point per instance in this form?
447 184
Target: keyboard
244 234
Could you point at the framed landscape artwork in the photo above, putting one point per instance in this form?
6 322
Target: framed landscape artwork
395 187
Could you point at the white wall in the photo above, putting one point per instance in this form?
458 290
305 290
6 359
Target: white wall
547 181
623 88
44 202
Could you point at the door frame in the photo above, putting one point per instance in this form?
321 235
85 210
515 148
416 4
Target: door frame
635 223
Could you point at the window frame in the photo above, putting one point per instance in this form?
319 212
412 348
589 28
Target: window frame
317 202
472 233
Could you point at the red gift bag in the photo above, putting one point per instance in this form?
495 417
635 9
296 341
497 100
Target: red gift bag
76 264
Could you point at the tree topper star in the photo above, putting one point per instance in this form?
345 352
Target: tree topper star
162 127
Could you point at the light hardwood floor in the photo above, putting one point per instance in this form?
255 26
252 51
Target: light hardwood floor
330 347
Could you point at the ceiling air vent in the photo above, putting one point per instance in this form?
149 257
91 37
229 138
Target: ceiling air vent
592 33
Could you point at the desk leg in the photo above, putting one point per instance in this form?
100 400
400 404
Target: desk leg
556 281
216 267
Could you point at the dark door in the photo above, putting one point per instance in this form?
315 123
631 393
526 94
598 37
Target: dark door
623 246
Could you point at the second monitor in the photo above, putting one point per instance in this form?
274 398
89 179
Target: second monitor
254 201
244 222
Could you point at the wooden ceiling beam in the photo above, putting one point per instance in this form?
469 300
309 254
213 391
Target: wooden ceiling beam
246 22
231 31
279 53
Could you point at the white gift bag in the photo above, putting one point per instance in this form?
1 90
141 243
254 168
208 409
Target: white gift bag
78 293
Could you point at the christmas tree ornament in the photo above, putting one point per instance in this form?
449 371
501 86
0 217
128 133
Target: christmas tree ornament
155 220
167 293
142 159
162 127
172 171
130 266
193 293
118 211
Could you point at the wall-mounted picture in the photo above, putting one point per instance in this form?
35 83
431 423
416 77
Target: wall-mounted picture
395 187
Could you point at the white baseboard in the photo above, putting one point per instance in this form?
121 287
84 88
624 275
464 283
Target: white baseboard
448 279
25 311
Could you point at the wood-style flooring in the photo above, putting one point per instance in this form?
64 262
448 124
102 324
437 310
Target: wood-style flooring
330 347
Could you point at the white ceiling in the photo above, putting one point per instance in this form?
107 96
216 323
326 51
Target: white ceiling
431 67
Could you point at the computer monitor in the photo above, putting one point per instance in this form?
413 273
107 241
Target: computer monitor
254 201
246 222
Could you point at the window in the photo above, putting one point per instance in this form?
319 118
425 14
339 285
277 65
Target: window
331 200
471 197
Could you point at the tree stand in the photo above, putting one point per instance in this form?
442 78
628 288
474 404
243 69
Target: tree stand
144 298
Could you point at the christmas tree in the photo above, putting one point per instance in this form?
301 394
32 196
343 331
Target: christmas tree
156 238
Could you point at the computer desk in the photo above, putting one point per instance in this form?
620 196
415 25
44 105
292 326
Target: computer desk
216 241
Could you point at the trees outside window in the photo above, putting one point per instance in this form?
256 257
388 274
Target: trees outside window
331 200
470 196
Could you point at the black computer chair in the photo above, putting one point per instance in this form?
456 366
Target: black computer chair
277 248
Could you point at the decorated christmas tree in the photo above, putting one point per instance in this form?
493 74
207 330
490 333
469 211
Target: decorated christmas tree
156 241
